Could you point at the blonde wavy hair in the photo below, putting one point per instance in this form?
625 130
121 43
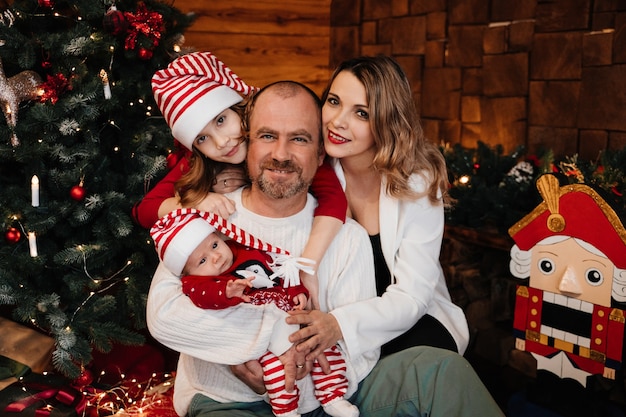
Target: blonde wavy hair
402 149
198 182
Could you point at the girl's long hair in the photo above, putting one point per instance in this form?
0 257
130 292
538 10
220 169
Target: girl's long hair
401 148
198 182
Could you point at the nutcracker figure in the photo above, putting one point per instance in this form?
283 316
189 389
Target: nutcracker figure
572 246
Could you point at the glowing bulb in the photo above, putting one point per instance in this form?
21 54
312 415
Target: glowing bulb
464 179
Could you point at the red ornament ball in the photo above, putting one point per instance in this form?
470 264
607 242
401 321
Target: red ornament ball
13 235
114 22
172 160
84 379
144 54
78 193
46 3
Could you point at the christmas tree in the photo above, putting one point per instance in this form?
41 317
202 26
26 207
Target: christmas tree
493 190
80 143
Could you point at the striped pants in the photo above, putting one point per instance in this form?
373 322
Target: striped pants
328 387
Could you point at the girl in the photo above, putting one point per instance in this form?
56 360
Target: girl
201 100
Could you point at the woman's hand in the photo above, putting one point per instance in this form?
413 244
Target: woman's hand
229 180
318 332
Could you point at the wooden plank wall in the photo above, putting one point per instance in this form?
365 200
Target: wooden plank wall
264 40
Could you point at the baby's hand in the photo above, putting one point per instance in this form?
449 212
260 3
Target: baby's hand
299 301
236 287
311 284
218 204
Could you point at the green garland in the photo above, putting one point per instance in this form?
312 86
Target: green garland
494 190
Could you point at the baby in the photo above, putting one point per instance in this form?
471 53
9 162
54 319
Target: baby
218 273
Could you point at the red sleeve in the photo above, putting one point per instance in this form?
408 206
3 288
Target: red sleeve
146 211
208 292
330 196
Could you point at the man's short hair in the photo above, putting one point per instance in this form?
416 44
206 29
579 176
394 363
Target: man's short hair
286 89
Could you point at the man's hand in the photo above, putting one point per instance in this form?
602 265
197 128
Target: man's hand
296 367
251 374
318 332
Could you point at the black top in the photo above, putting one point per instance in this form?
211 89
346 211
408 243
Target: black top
427 331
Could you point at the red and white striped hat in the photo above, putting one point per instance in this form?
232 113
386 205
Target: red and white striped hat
192 90
178 233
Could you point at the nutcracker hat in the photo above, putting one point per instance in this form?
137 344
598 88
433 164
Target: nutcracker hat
177 234
574 210
192 90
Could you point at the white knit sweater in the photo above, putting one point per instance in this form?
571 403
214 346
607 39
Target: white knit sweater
210 340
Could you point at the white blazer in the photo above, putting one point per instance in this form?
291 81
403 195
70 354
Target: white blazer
411 233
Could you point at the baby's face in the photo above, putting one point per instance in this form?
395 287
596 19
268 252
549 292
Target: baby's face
220 140
212 257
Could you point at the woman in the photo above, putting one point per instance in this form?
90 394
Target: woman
395 182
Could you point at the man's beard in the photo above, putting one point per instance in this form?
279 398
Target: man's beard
279 190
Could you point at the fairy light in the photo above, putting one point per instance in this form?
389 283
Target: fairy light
98 282
465 179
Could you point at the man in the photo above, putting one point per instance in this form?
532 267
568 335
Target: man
284 153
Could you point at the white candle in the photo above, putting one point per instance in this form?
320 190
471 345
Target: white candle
32 243
34 187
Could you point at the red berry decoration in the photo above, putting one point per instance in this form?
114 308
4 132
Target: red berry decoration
13 235
78 192
144 54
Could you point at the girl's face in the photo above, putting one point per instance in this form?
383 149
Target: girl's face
212 257
220 140
345 118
